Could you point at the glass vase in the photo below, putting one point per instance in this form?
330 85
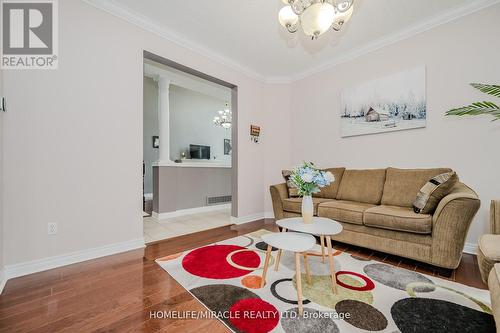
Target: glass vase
307 209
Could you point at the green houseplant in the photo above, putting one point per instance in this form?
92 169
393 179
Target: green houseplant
480 108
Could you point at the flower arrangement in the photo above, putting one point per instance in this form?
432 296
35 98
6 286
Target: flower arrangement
308 179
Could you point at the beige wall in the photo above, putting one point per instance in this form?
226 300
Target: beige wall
2 242
455 54
277 137
73 147
177 188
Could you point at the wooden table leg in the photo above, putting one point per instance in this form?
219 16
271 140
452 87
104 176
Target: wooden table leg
308 272
299 282
322 241
266 264
332 268
278 255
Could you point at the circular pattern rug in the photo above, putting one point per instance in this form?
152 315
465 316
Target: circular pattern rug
371 296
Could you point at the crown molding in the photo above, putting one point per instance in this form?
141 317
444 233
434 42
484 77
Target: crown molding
377 44
120 11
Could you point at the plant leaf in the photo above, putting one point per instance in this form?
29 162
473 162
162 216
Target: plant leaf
478 108
489 89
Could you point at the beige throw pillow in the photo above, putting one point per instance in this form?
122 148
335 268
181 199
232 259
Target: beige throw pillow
433 191
293 192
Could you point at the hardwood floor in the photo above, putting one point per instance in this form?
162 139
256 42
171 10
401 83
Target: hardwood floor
117 293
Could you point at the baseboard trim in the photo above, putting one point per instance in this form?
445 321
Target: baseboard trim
269 215
39 265
189 211
3 280
470 248
248 218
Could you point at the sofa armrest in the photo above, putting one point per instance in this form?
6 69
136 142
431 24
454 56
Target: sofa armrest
278 193
495 217
450 225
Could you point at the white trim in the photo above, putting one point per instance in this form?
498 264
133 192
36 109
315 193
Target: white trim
121 11
247 219
117 9
470 248
448 16
34 266
188 163
189 211
3 280
269 215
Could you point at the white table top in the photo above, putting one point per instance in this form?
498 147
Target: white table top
319 226
290 241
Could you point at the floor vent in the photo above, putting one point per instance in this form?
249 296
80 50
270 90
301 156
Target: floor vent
218 200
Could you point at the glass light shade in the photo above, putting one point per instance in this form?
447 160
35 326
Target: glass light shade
285 2
343 15
317 19
287 17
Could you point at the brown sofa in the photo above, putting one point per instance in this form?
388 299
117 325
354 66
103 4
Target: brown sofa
488 250
375 209
494 285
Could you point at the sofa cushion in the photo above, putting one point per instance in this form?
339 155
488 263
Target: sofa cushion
330 191
398 218
294 205
362 186
433 191
402 185
293 192
344 211
489 245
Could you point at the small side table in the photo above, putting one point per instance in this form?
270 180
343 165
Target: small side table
322 227
294 242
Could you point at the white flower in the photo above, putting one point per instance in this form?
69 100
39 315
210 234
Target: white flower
329 177
307 177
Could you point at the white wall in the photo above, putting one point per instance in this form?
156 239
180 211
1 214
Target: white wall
191 122
276 137
2 245
73 144
454 54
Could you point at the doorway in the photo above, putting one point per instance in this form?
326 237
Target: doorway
190 150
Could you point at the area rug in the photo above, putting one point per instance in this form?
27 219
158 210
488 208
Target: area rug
372 296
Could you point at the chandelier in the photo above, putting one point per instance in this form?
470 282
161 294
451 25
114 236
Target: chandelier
315 16
224 118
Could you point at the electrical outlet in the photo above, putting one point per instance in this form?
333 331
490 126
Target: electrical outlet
52 228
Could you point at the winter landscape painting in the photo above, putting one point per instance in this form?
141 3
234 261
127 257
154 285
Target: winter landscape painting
392 103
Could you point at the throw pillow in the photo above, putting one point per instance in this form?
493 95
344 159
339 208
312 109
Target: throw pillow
293 192
433 191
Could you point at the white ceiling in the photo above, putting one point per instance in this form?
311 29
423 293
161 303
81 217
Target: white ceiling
246 35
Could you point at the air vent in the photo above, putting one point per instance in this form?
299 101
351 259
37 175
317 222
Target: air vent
218 200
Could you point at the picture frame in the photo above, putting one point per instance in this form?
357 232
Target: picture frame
156 141
391 103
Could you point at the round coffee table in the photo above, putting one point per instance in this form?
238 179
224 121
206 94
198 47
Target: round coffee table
296 242
320 226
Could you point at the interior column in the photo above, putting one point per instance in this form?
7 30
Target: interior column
163 118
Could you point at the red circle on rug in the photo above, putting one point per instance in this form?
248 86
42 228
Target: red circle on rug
369 285
253 315
210 261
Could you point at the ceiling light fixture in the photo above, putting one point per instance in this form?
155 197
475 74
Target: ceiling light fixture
224 118
315 16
